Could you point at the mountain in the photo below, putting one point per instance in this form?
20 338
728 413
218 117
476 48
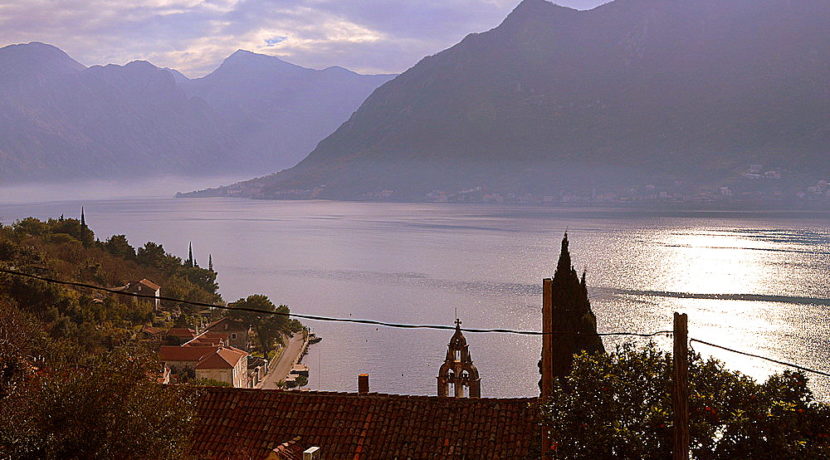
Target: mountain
60 120
278 111
556 101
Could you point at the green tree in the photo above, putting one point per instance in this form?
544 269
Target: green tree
618 405
151 255
268 326
57 400
118 246
573 321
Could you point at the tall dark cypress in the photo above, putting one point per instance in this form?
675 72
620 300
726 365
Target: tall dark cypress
573 321
190 261
210 262
83 218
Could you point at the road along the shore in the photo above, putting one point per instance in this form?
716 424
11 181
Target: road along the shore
290 356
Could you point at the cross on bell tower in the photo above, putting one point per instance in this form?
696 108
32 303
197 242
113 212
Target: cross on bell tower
458 369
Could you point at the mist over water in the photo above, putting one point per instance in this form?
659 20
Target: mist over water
111 189
751 281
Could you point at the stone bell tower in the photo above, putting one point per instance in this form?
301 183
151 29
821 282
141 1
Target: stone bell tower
458 369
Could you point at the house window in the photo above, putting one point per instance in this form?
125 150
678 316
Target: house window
233 336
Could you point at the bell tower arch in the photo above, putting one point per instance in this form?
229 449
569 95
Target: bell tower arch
458 370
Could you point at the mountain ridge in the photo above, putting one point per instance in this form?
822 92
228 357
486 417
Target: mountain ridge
63 120
555 100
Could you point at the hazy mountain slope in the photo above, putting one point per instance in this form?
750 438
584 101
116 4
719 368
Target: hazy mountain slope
64 121
61 120
556 98
279 111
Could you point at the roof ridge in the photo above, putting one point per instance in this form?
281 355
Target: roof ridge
367 395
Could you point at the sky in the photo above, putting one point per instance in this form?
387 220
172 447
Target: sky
194 36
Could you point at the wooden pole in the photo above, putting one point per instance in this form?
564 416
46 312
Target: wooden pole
680 393
547 355
547 337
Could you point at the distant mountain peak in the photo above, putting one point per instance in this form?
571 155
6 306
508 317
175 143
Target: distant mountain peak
249 62
537 11
139 63
338 69
29 59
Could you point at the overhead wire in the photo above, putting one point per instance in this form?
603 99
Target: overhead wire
310 317
390 324
783 363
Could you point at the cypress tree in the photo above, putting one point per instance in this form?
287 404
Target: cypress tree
210 262
87 237
190 262
573 320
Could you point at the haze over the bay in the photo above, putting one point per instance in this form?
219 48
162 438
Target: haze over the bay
193 36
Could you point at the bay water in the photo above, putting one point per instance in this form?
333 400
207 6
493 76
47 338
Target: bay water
753 281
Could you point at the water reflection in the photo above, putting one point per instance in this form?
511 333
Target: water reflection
747 281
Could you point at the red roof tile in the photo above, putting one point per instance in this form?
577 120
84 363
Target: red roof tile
227 324
180 332
208 338
149 284
174 353
242 423
223 358
291 450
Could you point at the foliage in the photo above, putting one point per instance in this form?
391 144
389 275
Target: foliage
59 401
269 321
66 249
209 383
619 405
302 381
572 318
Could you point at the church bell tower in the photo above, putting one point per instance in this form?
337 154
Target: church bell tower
458 370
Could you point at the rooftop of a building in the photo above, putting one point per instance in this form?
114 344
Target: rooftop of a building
243 423
222 358
180 332
147 283
176 353
226 324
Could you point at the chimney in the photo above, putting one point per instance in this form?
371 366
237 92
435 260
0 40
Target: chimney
312 453
363 384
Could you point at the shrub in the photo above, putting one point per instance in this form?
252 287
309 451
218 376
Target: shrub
619 405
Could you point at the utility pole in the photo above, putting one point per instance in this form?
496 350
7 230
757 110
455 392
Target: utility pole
680 383
547 356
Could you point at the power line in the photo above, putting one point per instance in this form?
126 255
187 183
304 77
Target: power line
389 324
316 317
783 363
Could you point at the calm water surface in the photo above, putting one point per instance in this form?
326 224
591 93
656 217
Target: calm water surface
755 282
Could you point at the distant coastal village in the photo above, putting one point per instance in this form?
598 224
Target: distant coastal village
753 187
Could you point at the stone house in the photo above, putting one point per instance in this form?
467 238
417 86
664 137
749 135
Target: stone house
227 365
144 287
183 360
239 334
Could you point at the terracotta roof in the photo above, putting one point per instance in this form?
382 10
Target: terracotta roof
149 284
230 324
249 423
174 353
223 358
208 338
291 450
180 332
152 330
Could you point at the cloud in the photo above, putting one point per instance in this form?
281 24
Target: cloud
193 36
